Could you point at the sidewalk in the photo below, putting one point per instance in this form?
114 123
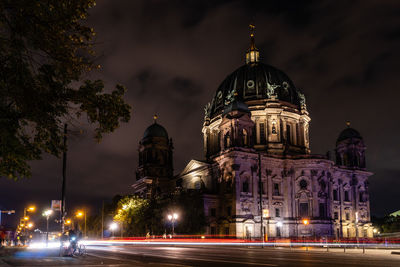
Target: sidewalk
47 257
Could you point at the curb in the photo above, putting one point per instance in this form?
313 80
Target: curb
395 252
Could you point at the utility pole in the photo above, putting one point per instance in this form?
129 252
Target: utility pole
64 175
102 220
260 187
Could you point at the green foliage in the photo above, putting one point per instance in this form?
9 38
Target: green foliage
387 224
46 48
132 212
142 216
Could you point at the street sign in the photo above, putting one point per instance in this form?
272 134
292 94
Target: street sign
56 205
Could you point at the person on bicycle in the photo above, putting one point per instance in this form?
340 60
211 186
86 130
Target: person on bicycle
73 239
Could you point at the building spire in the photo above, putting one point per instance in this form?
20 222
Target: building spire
348 124
252 54
155 117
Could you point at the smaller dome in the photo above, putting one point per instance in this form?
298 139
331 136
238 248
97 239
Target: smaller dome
348 133
155 130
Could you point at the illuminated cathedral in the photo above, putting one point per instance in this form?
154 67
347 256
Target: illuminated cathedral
258 177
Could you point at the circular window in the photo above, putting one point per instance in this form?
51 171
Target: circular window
219 95
250 84
285 85
303 184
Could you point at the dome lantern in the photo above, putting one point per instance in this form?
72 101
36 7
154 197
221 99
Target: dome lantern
252 54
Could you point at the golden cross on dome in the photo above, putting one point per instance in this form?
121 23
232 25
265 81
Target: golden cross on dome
348 123
155 117
252 29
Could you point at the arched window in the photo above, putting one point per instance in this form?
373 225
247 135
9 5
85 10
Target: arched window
245 138
322 184
361 195
245 187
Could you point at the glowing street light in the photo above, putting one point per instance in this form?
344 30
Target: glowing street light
31 208
305 222
68 221
30 225
113 227
80 214
173 217
47 214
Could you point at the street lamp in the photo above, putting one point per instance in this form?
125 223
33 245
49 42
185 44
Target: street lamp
305 222
28 209
173 217
47 214
113 227
80 214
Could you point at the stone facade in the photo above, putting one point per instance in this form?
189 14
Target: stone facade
257 148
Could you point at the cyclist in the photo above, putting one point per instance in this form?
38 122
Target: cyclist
73 239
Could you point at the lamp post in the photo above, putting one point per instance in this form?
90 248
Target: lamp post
113 227
81 214
26 217
47 214
305 222
173 217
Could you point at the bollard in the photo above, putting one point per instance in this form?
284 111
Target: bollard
363 249
344 248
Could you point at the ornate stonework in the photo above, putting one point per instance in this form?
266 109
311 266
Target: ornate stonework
258 121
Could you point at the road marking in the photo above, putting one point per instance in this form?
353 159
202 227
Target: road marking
194 259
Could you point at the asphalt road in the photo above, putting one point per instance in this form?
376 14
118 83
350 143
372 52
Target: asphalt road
153 255
168 255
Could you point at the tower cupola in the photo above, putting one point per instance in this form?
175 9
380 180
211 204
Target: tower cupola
252 54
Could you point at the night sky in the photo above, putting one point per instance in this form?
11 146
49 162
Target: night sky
172 56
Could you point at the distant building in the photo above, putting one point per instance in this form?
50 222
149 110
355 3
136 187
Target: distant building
258 120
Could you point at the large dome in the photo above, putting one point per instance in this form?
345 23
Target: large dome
255 81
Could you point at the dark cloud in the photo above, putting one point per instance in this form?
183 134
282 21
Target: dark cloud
172 56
